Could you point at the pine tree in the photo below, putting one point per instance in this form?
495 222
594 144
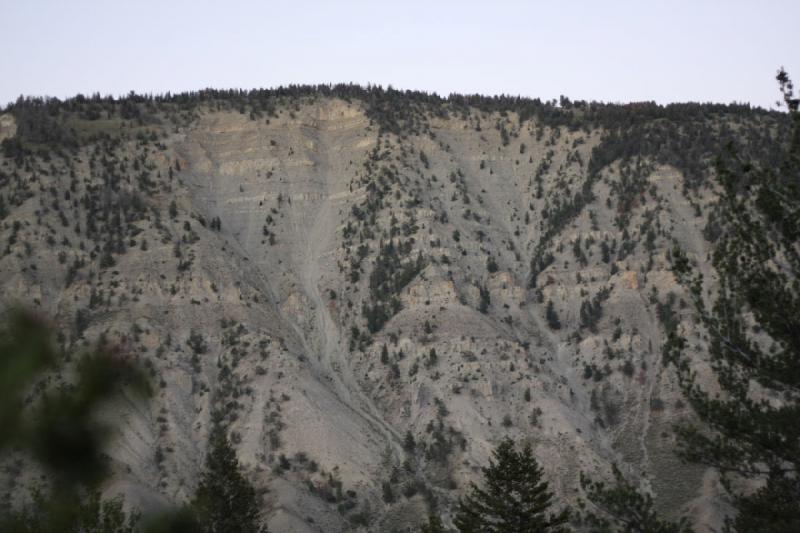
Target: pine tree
409 444
434 524
515 498
751 430
60 430
225 502
552 317
621 508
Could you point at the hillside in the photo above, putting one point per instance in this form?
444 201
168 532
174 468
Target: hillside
371 286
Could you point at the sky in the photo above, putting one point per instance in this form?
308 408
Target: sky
613 51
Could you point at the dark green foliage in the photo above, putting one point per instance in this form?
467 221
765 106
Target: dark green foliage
60 430
621 508
592 310
387 493
629 189
225 502
442 442
409 444
424 158
14 149
38 124
628 368
540 261
684 136
552 317
753 326
433 359
385 355
771 509
681 135
107 260
389 276
666 315
486 299
578 252
491 265
504 137
605 252
378 314
433 525
514 497
62 434
71 514
197 343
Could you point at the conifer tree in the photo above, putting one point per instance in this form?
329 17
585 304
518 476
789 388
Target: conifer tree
552 316
515 497
59 430
409 444
750 428
225 502
434 524
620 507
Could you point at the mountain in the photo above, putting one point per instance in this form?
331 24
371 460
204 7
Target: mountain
373 287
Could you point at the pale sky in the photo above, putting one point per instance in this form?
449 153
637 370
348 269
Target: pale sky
617 51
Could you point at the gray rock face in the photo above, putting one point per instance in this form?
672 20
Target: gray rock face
331 290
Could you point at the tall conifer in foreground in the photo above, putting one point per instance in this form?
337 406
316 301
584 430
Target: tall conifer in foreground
514 499
225 502
58 427
751 428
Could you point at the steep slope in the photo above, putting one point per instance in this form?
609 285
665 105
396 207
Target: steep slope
370 293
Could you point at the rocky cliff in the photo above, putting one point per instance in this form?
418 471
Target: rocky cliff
372 289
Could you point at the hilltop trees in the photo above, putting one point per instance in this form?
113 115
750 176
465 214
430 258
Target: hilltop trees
515 497
752 319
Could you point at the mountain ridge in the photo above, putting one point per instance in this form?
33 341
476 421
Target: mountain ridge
333 274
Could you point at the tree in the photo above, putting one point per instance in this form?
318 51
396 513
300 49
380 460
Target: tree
552 316
750 428
59 429
409 444
485 299
621 508
434 524
225 502
491 265
515 498
89 514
